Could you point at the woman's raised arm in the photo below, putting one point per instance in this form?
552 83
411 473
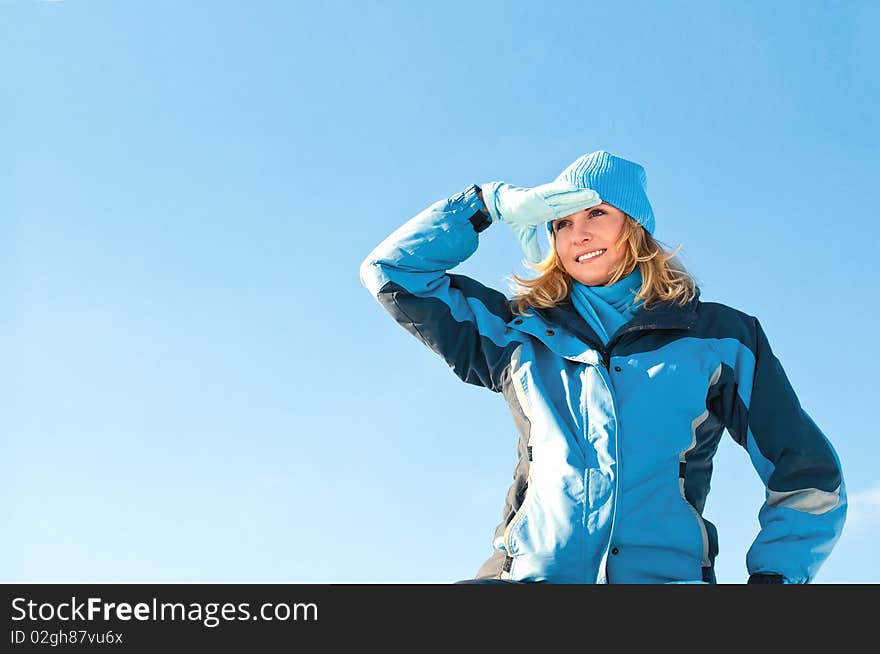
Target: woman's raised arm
457 317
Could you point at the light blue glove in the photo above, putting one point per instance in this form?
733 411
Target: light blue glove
525 209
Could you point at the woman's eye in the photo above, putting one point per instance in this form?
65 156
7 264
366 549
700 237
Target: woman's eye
598 211
561 224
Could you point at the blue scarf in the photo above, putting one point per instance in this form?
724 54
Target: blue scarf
606 308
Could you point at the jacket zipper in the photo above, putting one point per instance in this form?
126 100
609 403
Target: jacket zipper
604 560
605 360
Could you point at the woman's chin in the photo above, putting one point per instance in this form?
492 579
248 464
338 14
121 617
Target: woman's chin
592 280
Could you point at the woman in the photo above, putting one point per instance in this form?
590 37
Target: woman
621 382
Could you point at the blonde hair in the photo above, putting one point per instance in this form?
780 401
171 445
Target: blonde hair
664 278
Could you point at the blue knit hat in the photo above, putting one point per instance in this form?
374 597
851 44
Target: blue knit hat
619 182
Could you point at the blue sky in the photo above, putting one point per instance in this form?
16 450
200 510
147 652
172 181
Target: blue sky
200 387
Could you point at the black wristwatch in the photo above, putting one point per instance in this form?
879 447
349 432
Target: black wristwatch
480 220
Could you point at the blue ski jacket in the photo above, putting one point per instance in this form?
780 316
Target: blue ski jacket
616 442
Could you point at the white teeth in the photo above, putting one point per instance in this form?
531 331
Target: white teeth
583 257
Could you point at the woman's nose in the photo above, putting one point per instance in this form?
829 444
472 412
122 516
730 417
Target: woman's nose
583 230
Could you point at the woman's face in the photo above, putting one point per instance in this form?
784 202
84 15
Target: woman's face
585 232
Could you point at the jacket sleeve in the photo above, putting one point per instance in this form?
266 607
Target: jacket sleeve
457 317
805 501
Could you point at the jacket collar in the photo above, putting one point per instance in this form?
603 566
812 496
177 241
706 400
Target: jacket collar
565 318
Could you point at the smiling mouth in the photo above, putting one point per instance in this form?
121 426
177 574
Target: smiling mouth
586 258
